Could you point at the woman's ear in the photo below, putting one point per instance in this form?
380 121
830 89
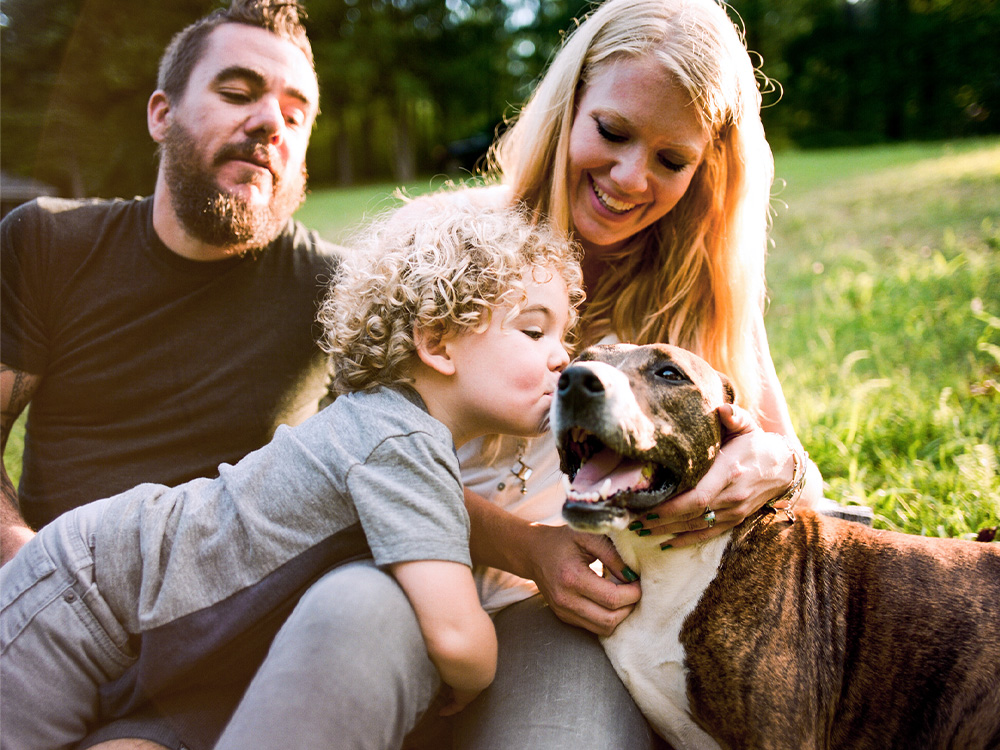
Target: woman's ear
432 350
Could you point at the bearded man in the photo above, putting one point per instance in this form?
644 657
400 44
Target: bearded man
157 338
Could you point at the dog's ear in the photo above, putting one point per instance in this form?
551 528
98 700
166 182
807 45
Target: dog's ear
727 389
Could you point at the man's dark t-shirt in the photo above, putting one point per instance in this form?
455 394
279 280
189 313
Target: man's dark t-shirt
154 367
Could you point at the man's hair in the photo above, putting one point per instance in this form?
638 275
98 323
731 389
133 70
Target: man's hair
440 264
280 17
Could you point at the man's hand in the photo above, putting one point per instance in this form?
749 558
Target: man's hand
558 560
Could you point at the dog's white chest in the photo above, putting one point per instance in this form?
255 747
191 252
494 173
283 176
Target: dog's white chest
645 649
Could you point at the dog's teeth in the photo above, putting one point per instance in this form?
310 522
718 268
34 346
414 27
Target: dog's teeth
605 490
567 487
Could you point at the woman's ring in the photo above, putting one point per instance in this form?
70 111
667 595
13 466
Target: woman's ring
709 518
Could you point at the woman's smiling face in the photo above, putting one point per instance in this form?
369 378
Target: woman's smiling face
634 146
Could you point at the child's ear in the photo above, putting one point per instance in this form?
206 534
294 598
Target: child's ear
432 349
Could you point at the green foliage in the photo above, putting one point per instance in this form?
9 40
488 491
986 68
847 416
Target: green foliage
75 80
891 70
400 80
420 86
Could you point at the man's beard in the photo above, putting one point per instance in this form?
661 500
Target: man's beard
213 216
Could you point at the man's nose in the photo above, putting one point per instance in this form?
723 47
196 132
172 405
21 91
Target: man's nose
267 119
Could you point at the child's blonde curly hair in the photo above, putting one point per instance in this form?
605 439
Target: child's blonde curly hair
440 264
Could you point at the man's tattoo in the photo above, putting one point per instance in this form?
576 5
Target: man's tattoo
22 389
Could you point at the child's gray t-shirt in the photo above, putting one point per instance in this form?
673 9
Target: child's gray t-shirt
197 568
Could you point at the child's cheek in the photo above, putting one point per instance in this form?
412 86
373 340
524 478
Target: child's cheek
527 378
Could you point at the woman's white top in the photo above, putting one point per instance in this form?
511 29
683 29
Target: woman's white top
542 503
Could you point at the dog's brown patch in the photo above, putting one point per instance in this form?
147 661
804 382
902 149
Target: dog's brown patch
826 633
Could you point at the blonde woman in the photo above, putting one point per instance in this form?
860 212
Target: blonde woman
643 142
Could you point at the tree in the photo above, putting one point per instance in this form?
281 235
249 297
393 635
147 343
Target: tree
76 79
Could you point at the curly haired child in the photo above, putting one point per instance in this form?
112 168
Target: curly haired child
449 323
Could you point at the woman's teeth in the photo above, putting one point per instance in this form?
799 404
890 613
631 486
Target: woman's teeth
617 206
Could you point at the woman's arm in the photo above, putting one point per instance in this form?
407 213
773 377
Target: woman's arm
775 418
460 638
558 560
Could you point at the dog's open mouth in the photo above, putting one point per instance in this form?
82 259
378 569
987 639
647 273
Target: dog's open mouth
600 475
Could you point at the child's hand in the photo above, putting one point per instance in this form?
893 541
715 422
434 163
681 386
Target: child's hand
458 699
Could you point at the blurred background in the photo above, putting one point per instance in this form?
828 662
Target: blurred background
412 88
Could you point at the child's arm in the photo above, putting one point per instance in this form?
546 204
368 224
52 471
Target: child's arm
460 638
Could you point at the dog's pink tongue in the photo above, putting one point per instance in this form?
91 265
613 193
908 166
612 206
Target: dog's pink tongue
624 473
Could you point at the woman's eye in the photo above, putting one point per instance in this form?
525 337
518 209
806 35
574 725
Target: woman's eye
607 134
671 374
533 333
672 165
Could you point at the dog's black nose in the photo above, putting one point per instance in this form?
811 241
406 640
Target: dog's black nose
581 379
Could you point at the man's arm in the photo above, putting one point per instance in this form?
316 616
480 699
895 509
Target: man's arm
16 389
460 638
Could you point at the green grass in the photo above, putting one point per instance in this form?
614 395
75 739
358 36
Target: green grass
884 321
337 214
885 327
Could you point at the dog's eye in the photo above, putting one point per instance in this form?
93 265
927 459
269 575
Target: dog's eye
671 373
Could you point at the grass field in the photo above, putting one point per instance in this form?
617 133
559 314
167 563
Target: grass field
884 322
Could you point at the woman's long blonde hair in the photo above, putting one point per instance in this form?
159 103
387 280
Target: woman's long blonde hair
696 277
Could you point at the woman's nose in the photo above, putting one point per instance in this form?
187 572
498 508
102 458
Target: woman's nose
630 171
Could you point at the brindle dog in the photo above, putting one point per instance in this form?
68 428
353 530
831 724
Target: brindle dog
814 633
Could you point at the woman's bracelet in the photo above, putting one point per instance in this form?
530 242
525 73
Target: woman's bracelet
800 466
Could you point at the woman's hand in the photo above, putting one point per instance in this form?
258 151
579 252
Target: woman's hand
558 560
752 468
561 560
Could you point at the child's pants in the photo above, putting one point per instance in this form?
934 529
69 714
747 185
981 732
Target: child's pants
59 641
